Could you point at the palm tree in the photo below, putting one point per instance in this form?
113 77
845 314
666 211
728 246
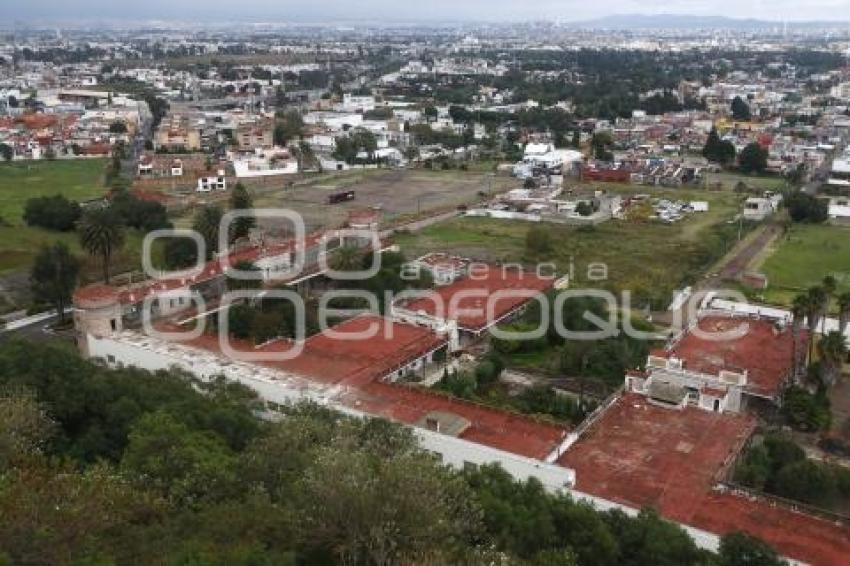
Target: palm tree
346 258
817 301
829 286
843 311
101 234
240 199
832 349
206 223
799 309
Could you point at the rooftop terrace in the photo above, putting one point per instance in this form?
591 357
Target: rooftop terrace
639 454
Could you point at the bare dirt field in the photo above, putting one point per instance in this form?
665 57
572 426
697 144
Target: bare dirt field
398 194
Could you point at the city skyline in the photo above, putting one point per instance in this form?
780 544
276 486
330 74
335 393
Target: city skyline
382 11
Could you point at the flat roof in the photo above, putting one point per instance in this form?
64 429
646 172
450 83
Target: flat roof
639 454
136 293
466 300
763 350
355 368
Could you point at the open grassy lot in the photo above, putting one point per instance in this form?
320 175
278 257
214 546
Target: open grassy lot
18 246
21 181
75 179
804 257
651 259
398 193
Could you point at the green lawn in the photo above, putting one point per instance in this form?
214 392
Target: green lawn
650 259
804 257
75 179
18 246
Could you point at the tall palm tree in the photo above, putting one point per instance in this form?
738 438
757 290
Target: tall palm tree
832 349
101 234
829 286
240 199
817 301
843 311
206 223
799 309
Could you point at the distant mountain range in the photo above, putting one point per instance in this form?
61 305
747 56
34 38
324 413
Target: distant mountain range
685 22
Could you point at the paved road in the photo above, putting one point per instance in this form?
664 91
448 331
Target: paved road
36 329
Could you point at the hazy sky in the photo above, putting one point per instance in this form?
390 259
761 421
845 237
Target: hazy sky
405 10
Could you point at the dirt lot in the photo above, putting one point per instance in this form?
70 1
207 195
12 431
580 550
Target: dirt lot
398 194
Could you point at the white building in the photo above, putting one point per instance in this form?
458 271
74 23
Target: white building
212 183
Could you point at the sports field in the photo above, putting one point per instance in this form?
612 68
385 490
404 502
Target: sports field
803 257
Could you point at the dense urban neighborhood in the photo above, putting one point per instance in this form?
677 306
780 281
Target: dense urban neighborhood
536 293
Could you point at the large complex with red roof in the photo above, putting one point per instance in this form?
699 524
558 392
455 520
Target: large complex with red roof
640 454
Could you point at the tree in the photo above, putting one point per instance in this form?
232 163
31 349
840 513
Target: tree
803 207
805 481
7 152
843 311
717 150
601 144
742 549
753 159
25 429
832 349
376 505
144 215
347 258
430 113
241 200
538 240
185 465
53 213
289 126
584 208
799 310
101 234
54 276
741 110
207 223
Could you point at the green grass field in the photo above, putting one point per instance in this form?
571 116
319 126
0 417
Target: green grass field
76 180
804 257
650 259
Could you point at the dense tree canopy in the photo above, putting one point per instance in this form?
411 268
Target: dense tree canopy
53 213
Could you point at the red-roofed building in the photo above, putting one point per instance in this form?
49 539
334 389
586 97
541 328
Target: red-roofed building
723 361
642 455
488 295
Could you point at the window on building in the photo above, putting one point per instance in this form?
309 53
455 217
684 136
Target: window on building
114 324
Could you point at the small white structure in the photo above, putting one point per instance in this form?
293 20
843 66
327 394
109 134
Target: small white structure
212 183
839 208
757 209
